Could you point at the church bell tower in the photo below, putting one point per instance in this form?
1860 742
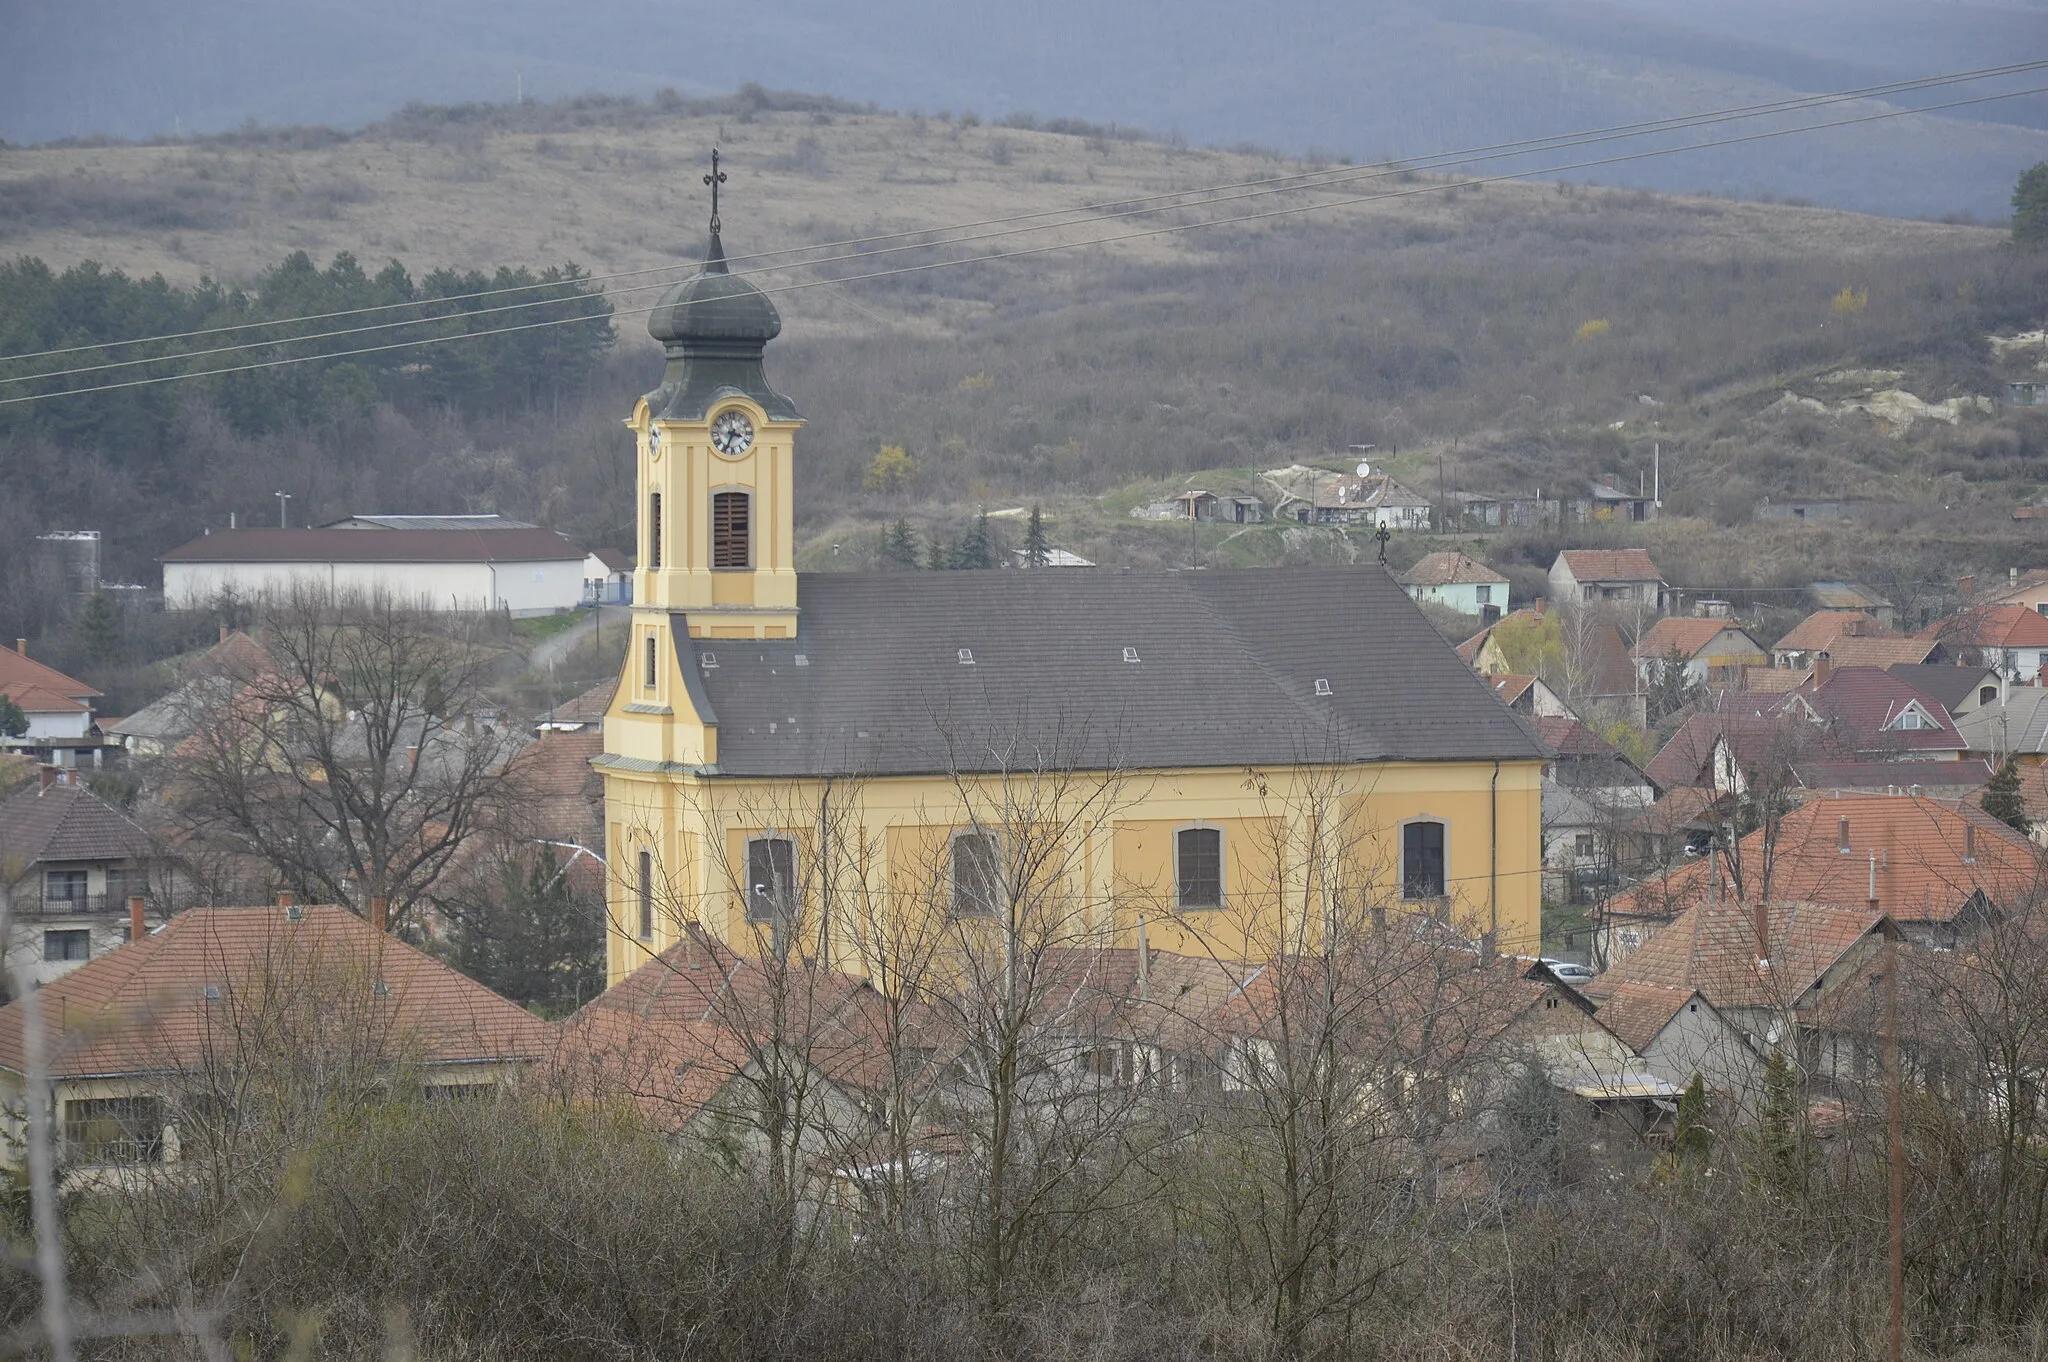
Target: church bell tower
716 465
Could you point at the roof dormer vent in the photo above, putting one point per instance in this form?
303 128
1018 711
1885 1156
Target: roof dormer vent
709 661
967 657
1323 686
1130 654
802 660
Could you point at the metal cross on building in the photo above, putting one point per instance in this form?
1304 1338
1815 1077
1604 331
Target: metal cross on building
714 179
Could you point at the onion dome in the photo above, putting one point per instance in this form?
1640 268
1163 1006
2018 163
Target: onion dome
714 308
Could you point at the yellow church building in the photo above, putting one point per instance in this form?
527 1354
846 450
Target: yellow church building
868 767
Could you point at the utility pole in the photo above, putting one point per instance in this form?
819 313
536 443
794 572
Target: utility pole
1896 1114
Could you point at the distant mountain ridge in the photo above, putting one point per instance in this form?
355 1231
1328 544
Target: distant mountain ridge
1388 78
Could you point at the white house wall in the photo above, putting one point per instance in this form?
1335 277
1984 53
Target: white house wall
529 588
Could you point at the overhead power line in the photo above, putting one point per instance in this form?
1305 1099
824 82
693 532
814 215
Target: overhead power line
1087 215
1035 250
1083 213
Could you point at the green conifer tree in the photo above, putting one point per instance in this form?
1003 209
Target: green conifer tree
1693 1140
939 554
99 627
2002 798
899 545
13 723
977 547
1037 552
2030 208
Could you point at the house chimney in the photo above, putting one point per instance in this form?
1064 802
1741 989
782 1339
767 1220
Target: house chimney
1873 882
21 646
1761 917
285 899
137 928
412 759
1966 585
46 776
1539 607
223 633
379 911
2012 576
1822 670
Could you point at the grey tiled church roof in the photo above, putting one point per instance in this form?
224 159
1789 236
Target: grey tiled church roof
1226 672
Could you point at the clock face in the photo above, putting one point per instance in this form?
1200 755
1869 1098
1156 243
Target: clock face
732 434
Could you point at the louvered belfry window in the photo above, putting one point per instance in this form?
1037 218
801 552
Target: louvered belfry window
731 530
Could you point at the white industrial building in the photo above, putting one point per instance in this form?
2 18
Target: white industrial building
439 562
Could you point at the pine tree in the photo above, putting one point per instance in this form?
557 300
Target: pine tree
938 554
1693 1140
13 723
99 626
977 546
2002 798
899 545
533 942
2030 208
1037 553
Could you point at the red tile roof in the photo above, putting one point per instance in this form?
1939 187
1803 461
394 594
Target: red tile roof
1883 650
1510 688
1611 565
1448 567
386 546
615 560
1570 738
19 672
1635 1012
179 997
1859 704
1993 626
1926 856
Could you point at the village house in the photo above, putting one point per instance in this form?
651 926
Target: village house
143 1042
1707 649
1620 578
1581 653
2016 728
955 723
1461 583
211 681
1592 797
1374 499
2010 639
1936 867
607 577
1853 596
1679 1033
2028 588
58 708
436 562
1963 690
1506 512
1230 508
1606 500
1529 696
1815 636
69 865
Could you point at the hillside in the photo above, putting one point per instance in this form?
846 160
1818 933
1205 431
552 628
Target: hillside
1366 80
1496 338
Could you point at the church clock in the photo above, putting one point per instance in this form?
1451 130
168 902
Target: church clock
732 434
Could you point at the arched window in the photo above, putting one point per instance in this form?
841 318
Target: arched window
771 880
1198 867
732 525
650 662
977 875
654 529
646 896
1422 860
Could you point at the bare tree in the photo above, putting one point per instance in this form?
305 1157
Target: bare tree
358 760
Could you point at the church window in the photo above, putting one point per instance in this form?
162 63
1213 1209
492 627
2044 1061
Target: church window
771 879
1198 867
731 530
654 529
1422 860
647 896
977 875
650 662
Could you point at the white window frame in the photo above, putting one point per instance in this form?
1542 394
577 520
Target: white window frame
1222 868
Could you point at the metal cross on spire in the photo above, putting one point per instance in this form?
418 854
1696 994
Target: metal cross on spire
714 179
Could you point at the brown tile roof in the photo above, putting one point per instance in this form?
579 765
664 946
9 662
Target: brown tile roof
1882 651
1820 630
386 546
665 1069
67 823
1686 637
1611 565
177 998
1635 1012
19 672
1714 948
1686 805
1570 738
554 789
1915 846
1941 776
35 699
1774 680
1858 703
1758 739
1448 567
615 560
589 707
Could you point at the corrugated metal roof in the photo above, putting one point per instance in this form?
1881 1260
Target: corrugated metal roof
385 546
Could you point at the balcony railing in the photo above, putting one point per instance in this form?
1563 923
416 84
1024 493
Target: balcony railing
84 905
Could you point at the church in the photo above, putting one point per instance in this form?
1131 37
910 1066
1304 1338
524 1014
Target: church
863 767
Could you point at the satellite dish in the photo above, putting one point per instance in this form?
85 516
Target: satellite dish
1364 469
